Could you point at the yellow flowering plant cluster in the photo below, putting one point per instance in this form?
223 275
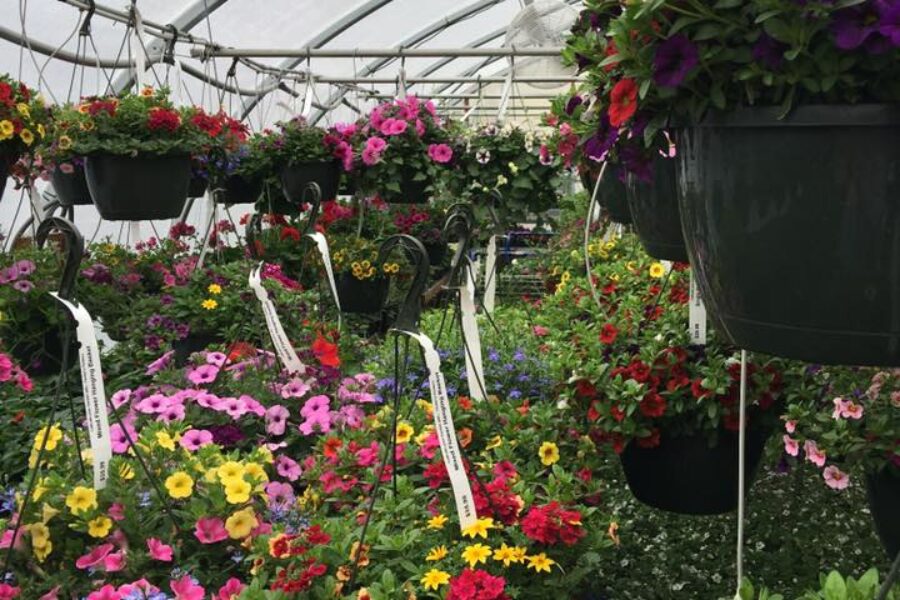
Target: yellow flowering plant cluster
358 257
198 514
23 120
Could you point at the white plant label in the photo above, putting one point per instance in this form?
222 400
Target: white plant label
697 314
322 245
446 432
471 337
93 391
283 347
490 275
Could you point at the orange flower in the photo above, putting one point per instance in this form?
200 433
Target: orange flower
465 403
332 445
465 437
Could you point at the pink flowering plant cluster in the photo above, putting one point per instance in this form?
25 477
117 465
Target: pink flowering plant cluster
401 140
847 426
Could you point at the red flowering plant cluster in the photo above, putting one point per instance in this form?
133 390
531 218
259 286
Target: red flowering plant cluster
23 121
222 137
632 365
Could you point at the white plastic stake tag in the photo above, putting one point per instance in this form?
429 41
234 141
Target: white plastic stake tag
283 347
322 245
697 314
93 391
443 423
490 275
474 364
134 233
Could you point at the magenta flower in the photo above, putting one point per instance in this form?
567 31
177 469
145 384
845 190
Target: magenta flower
440 153
835 478
174 412
846 409
23 285
232 589
203 374
116 511
120 397
216 359
25 268
94 557
114 562
295 388
790 426
276 419
207 400
194 439
393 127
674 60
791 446
210 530
288 468
154 404
279 494
235 407
107 592
160 363
316 404
187 589
159 550
253 406
351 416
370 157
366 457
119 439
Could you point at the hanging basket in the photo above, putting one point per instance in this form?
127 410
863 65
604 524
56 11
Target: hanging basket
654 211
361 296
437 252
792 227
237 189
685 475
45 358
295 178
197 186
194 342
6 162
138 188
411 190
611 195
71 188
883 490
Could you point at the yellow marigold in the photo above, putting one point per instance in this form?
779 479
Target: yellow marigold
237 491
99 527
214 288
209 304
434 579
81 500
240 524
549 453
180 485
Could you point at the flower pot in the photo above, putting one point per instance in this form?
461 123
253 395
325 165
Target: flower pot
792 227
411 191
194 342
295 177
197 186
366 296
685 475
71 188
883 490
611 195
654 212
237 189
437 252
137 188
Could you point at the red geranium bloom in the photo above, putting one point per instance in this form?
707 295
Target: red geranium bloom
163 118
608 333
623 102
653 405
326 352
290 232
651 441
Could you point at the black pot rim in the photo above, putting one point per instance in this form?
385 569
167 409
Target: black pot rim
811 115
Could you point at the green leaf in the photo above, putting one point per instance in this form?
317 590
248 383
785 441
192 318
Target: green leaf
717 96
707 31
779 30
727 4
835 588
766 15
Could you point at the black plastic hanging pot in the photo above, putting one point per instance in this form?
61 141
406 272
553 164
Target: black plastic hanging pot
295 178
138 188
361 296
71 188
194 342
6 162
437 252
197 186
793 229
883 490
412 191
237 189
654 212
611 195
685 475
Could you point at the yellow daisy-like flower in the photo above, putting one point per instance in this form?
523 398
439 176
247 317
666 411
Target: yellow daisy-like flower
240 524
209 304
64 142
434 579
476 553
540 562
509 554
405 432
27 136
437 522
165 441
479 528
230 470
81 500
657 270
214 288
99 527
53 438
180 485
549 453
436 553
237 491
7 129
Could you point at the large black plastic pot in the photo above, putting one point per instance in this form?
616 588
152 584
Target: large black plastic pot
361 296
295 177
238 190
685 475
654 212
137 188
793 229
71 188
194 342
612 195
411 191
197 186
883 490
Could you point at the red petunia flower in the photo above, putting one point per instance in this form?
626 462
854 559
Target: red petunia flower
623 102
608 333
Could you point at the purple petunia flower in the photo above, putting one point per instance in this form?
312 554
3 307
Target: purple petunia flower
573 103
203 374
23 285
889 20
675 57
637 162
599 145
854 26
769 52
226 435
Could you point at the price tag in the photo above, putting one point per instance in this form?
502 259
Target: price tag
697 314
322 245
283 347
93 391
471 337
490 275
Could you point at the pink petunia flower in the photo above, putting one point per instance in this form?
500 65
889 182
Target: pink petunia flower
107 592
203 374
234 407
51 595
8 592
370 157
174 412
393 127
114 562
217 359
540 330
116 511
791 446
295 388
232 589
253 406
160 363
187 589
279 494
440 153
835 478
366 457
288 468
194 439
210 530
813 454
276 419
153 404
207 400
121 397
94 557
790 426
120 443
142 586
159 550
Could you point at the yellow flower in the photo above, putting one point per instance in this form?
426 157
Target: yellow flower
214 288
657 270
165 440
209 304
437 553
437 522
405 432
476 553
40 534
549 453
39 490
494 442
40 129
434 579
240 524
23 109
237 491
47 513
255 472
81 500
479 527
273 547
266 455
126 471
509 554
53 438
180 485
230 470
87 125
540 562
99 527
7 129
27 136
424 434
147 91
42 550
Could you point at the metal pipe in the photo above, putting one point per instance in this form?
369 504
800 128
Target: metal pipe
207 52
427 80
161 31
